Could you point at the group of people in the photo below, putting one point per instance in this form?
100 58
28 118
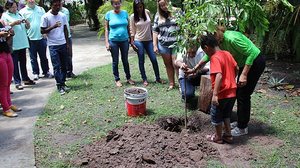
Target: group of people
33 28
230 53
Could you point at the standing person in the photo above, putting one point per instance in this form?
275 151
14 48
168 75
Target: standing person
70 73
116 38
164 37
38 44
6 70
54 24
251 65
141 38
20 42
190 60
223 70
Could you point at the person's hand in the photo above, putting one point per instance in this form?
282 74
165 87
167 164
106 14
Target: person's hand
155 49
4 34
242 81
17 22
214 100
134 47
189 71
57 24
107 46
184 67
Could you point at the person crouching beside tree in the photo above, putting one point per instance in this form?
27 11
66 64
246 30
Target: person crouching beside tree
223 70
188 82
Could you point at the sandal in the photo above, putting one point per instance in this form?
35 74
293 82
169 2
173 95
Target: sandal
145 83
10 113
15 108
212 138
171 87
160 81
118 84
227 138
131 82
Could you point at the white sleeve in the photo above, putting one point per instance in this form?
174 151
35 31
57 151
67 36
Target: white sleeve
44 21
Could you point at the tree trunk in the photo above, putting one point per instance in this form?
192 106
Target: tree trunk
205 94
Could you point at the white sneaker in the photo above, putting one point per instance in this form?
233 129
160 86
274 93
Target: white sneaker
48 75
233 125
36 77
239 132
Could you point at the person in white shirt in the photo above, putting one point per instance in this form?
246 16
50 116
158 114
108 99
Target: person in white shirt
189 61
54 24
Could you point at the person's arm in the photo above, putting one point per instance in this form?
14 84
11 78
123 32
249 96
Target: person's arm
216 90
155 31
46 30
27 24
106 35
243 77
155 42
132 33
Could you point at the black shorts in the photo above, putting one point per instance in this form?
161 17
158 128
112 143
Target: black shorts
222 111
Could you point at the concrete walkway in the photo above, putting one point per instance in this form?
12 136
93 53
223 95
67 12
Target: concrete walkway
16 134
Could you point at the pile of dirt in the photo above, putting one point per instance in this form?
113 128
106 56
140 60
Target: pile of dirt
148 146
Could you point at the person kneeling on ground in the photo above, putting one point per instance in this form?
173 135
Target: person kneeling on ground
192 80
223 70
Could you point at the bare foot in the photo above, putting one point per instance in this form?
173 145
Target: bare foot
118 84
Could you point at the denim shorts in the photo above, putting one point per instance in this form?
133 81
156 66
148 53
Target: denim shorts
222 111
164 50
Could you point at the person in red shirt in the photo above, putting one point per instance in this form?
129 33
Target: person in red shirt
223 71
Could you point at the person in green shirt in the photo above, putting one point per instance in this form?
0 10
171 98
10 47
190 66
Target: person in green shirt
38 44
251 65
20 42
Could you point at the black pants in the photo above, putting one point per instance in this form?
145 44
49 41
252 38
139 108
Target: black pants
244 93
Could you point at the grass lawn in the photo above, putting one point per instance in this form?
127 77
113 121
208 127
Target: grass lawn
94 106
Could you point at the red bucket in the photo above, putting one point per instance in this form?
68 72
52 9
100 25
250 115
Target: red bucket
135 102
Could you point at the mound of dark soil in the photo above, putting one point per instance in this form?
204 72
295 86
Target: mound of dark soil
147 146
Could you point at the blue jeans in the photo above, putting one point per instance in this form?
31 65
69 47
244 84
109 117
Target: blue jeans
191 82
123 46
19 58
38 47
70 56
59 59
148 46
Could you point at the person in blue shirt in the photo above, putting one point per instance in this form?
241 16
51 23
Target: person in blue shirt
117 38
38 44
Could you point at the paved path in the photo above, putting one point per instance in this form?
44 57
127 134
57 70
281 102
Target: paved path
16 134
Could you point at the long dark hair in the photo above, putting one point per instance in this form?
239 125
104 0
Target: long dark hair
136 14
162 13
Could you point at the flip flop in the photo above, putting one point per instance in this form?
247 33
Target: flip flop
227 138
212 138
131 82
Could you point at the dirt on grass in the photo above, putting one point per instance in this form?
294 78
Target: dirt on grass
169 144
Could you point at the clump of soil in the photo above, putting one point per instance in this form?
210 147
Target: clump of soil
134 91
147 146
195 123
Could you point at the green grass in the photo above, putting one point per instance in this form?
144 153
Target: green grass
94 106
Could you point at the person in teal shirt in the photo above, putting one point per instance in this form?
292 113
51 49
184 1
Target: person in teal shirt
38 44
117 38
20 42
251 66
70 73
